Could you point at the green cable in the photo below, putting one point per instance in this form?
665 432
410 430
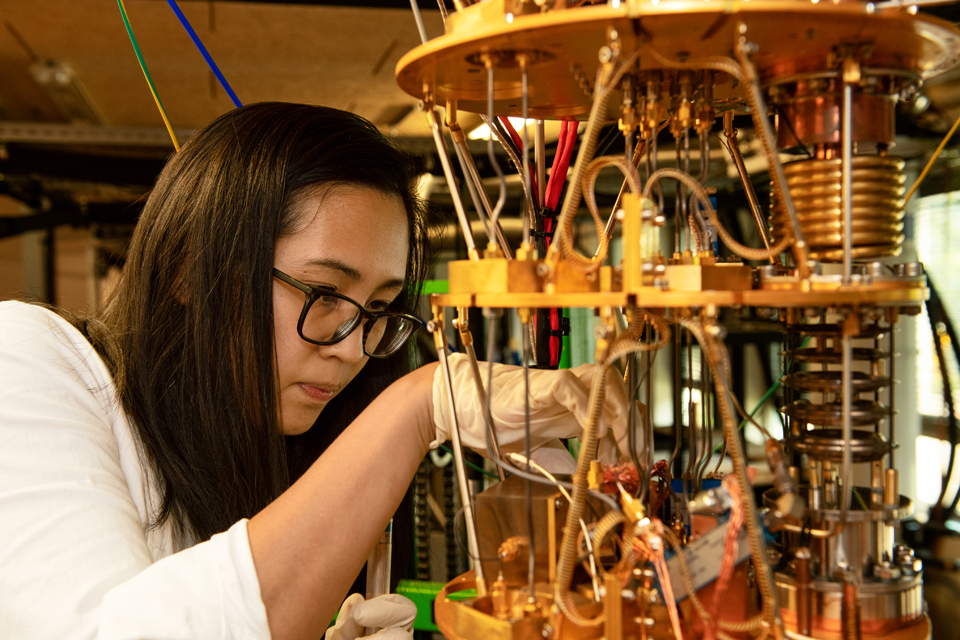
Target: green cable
146 74
471 465
766 396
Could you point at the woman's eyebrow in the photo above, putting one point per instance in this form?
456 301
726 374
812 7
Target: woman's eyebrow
336 265
353 274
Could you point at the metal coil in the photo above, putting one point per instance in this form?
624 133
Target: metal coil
813 395
877 206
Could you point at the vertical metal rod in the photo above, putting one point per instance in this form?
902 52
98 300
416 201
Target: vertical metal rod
678 220
452 182
683 189
532 551
529 213
648 397
846 180
540 155
846 384
633 362
693 455
676 468
458 461
892 413
804 590
502 198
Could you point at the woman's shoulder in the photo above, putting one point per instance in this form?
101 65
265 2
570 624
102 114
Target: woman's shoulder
21 321
36 338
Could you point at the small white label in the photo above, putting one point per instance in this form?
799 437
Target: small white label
704 557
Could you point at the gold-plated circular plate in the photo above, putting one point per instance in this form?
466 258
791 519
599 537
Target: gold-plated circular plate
562 47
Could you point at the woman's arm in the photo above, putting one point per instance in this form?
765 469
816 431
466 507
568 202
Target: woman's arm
310 543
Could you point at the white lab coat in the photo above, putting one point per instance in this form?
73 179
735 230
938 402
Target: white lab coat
78 559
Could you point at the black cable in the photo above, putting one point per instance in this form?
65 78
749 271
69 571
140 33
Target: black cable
507 138
934 309
607 141
955 346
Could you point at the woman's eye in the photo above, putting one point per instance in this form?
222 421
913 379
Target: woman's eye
326 300
378 306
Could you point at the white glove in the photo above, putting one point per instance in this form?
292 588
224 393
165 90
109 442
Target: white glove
558 405
392 613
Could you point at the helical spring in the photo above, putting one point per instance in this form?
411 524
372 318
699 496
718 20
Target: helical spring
877 184
813 395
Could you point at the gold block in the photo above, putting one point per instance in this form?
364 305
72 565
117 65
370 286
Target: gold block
493 276
517 276
719 277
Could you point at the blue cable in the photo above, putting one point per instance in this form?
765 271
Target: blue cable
196 40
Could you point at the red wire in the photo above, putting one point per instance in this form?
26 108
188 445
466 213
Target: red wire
561 142
553 198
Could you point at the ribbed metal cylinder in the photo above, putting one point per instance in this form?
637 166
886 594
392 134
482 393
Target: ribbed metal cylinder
877 202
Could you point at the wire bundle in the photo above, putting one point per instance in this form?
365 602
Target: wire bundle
146 74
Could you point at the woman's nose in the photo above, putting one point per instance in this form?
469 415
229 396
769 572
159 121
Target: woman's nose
349 350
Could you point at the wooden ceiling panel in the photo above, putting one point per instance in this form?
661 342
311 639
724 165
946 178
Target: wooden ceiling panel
338 56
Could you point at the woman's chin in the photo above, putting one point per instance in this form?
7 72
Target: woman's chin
301 423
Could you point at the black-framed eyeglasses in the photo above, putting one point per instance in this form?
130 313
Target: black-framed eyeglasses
328 317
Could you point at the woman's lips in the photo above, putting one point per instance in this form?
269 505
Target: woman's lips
318 394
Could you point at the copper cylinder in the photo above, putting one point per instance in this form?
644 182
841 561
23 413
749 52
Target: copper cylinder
804 582
850 611
877 206
891 490
815 119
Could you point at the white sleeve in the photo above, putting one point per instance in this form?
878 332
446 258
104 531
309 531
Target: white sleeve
74 557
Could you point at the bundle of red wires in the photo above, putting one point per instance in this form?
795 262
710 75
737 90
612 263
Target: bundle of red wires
555 181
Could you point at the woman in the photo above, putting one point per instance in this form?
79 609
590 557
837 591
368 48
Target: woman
147 456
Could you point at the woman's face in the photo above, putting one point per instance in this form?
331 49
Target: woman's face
354 241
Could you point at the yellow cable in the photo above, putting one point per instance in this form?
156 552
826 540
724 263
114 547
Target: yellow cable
163 115
933 158
146 75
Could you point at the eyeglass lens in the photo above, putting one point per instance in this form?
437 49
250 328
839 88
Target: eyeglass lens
329 319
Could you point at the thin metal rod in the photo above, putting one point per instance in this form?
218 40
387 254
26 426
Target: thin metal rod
460 467
679 222
892 387
846 390
502 198
466 159
525 160
540 143
532 552
475 366
733 145
472 188
419 19
758 110
846 178
452 182
674 465
683 189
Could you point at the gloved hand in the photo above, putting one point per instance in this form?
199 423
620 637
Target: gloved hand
392 613
558 405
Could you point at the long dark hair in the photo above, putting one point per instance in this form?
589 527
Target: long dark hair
188 334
